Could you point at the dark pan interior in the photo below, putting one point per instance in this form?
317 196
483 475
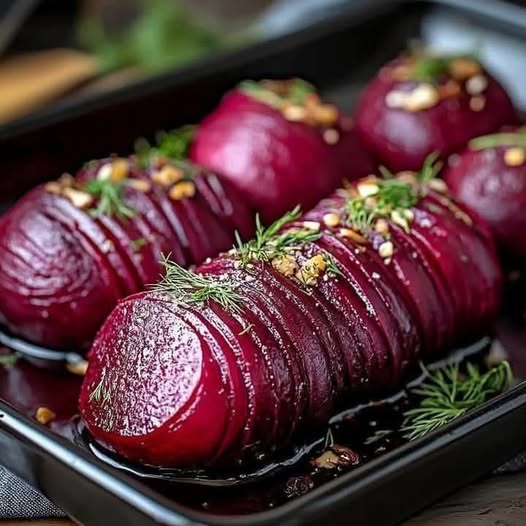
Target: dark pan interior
43 146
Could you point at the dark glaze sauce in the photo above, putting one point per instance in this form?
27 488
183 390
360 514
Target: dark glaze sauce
358 434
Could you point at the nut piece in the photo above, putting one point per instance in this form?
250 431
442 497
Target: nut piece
294 113
79 368
119 169
423 97
381 226
476 85
78 198
463 68
312 225
449 90
331 136
514 156
438 185
182 190
44 415
325 114
104 172
386 249
53 187
311 270
139 184
331 219
167 176
367 188
352 234
285 265
477 103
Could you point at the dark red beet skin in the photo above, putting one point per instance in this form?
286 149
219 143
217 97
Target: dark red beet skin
63 267
341 312
275 161
452 101
490 177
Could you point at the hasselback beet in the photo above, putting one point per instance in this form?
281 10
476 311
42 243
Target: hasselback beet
71 248
422 103
235 359
280 145
490 177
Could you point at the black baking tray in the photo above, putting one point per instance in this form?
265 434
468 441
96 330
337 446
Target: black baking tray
339 55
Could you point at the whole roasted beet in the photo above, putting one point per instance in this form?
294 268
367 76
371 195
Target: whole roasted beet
70 249
422 103
280 145
490 177
235 359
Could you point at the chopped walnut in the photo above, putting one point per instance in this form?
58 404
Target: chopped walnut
44 415
78 198
352 234
79 368
515 156
331 219
167 176
182 190
386 249
463 68
285 265
312 269
140 184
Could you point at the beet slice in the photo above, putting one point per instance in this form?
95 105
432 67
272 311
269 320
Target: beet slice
186 419
402 127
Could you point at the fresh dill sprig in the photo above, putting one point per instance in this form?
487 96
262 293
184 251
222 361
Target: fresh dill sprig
101 393
332 266
109 196
427 68
448 394
392 195
269 243
494 140
8 360
189 288
172 145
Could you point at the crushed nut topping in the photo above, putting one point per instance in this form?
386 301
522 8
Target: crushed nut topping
44 415
312 269
167 176
78 198
515 156
331 220
182 190
285 264
79 368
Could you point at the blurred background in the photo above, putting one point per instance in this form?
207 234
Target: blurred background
56 50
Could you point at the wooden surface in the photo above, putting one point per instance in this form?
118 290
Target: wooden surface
497 501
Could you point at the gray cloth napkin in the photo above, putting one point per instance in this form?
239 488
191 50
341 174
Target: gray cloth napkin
18 500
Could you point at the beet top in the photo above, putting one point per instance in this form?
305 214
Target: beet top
422 103
235 359
280 145
490 177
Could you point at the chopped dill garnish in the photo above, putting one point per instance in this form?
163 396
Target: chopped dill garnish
495 140
109 196
332 266
393 195
172 145
269 243
8 360
101 393
189 288
246 329
448 394
427 68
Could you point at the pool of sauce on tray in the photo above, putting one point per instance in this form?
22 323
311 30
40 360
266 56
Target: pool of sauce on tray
354 436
